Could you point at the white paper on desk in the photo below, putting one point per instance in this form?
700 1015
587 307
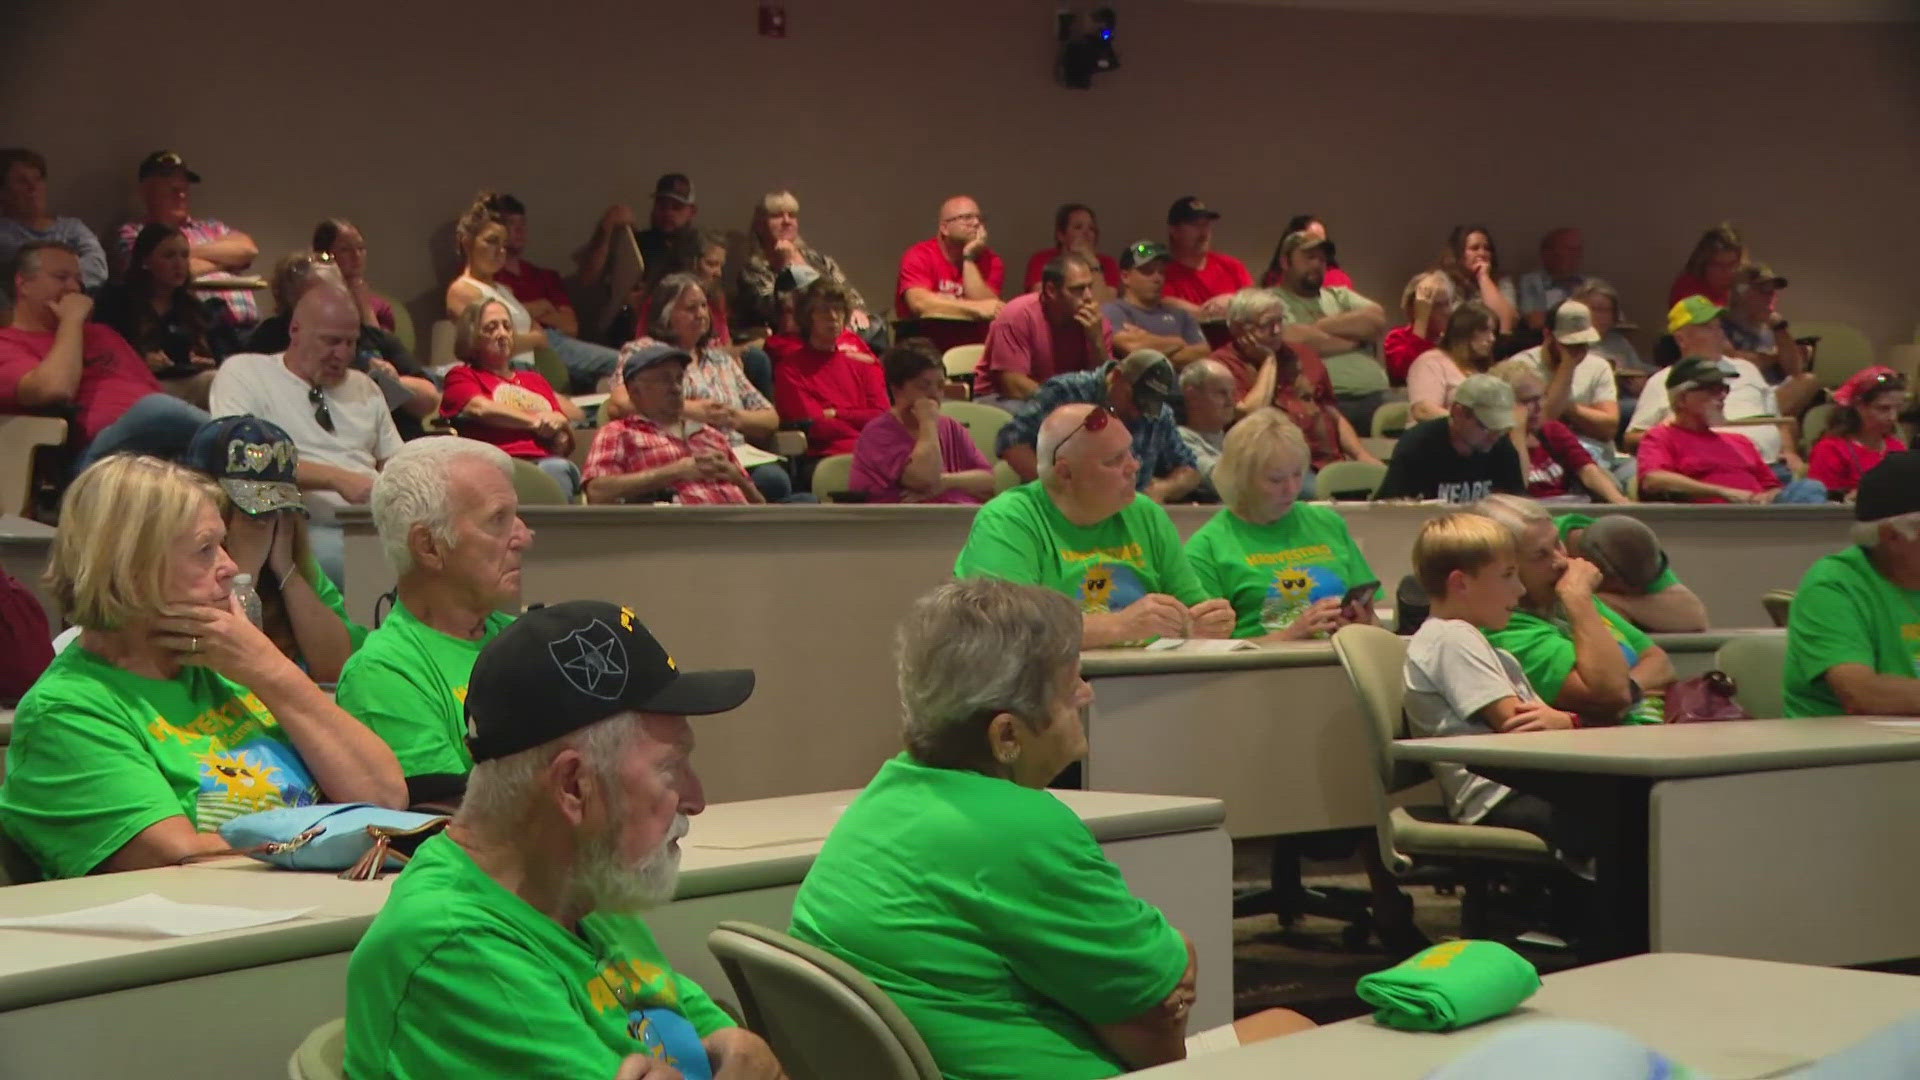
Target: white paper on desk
752 457
152 915
1199 645
1897 725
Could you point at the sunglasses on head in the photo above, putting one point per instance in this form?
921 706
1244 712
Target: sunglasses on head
1096 421
320 414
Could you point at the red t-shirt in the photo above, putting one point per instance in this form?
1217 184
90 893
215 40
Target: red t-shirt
112 375
1023 339
1554 460
1839 462
532 283
524 390
926 266
1222 274
1109 269
1402 347
1707 456
1691 285
807 382
1307 399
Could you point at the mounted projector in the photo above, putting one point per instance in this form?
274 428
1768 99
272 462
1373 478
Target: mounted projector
1084 55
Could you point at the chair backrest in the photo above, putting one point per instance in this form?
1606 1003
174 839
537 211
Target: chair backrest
1842 351
534 487
1814 424
1391 419
1375 660
402 323
1004 477
16 866
832 474
1349 480
1779 604
1757 664
440 347
20 438
983 422
823 1018
322 1055
961 360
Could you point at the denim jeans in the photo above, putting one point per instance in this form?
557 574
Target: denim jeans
587 363
1804 492
564 472
158 424
759 368
776 486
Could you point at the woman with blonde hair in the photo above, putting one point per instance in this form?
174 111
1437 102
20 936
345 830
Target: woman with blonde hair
489 399
776 246
172 713
1711 266
1285 565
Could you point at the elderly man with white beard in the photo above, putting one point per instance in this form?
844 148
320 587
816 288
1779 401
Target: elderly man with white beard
512 944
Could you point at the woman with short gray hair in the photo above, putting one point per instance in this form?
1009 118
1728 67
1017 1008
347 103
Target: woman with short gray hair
977 900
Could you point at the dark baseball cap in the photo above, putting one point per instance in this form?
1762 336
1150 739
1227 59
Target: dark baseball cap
1889 489
163 162
647 356
1142 252
1695 372
674 186
1189 208
558 669
253 461
1151 374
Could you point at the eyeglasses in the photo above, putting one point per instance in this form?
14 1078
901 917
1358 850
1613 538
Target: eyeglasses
1096 421
320 414
963 217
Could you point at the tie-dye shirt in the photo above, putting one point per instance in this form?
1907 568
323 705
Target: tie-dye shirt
100 754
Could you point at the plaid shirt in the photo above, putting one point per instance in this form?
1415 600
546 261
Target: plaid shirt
240 302
1156 440
714 375
634 444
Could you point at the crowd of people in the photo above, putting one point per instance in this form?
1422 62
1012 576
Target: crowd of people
197 561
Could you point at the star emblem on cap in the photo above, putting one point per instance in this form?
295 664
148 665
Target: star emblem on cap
593 660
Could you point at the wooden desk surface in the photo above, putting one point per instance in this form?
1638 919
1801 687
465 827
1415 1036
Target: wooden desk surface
1724 1017
732 847
1681 750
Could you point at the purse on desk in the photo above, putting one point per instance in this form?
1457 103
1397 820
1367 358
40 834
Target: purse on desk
360 841
1704 698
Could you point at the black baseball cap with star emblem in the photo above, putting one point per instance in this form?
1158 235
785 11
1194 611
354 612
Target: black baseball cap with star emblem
558 669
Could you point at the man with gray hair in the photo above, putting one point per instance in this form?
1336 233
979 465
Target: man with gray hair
1084 530
449 521
1853 633
1207 388
511 945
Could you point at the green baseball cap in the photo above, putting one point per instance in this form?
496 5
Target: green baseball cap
1692 311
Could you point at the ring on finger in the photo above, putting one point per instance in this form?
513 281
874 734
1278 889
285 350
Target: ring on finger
193 645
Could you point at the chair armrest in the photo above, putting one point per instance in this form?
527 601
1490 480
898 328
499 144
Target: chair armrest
789 443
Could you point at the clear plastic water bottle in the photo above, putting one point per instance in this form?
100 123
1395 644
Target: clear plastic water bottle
249 598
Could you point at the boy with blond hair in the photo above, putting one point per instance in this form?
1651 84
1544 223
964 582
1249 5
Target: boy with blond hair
1458 683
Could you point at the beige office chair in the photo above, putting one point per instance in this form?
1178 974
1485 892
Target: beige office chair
1814 424
1757 664
322 1055
1842 351
983 422
823 1019
1349 480
832 474
440 358
21 437
534 487
1374 660
1391 419
961 360
402 323
1004 477
1779 604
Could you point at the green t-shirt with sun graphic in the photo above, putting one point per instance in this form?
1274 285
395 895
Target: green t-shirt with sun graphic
1021 536
98 754
1274 572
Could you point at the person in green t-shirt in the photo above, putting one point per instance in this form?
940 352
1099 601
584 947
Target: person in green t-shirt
1853 632
1636 579
254 461
1083 531
1335 322
973 897
1579 654
1285 565
511 945
450 524
171 713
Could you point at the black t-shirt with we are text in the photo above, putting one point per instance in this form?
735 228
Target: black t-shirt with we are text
1426 466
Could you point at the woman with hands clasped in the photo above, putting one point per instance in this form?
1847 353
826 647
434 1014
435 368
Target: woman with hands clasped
489 399
172 713
1288 567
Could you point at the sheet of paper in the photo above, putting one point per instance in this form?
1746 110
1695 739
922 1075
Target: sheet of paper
752 457
152 915
1897 725
1200 645
590 401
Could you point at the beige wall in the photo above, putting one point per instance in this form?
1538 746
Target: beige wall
393 113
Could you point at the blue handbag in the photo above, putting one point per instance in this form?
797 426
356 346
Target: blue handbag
359 840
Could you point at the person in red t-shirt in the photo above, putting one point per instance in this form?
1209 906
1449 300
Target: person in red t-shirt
52 357
818 376
1552 452
1427 302
1686 460
1864 430
952 282
517 411
1075 229
1267 371
1199 279
1711 267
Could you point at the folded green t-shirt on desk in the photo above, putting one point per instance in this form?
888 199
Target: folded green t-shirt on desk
1449 986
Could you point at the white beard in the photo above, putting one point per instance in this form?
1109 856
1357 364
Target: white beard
612 886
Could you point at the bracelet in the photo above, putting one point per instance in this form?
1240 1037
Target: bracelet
286 577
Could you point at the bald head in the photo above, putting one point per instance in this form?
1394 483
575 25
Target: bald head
324 334
960 219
